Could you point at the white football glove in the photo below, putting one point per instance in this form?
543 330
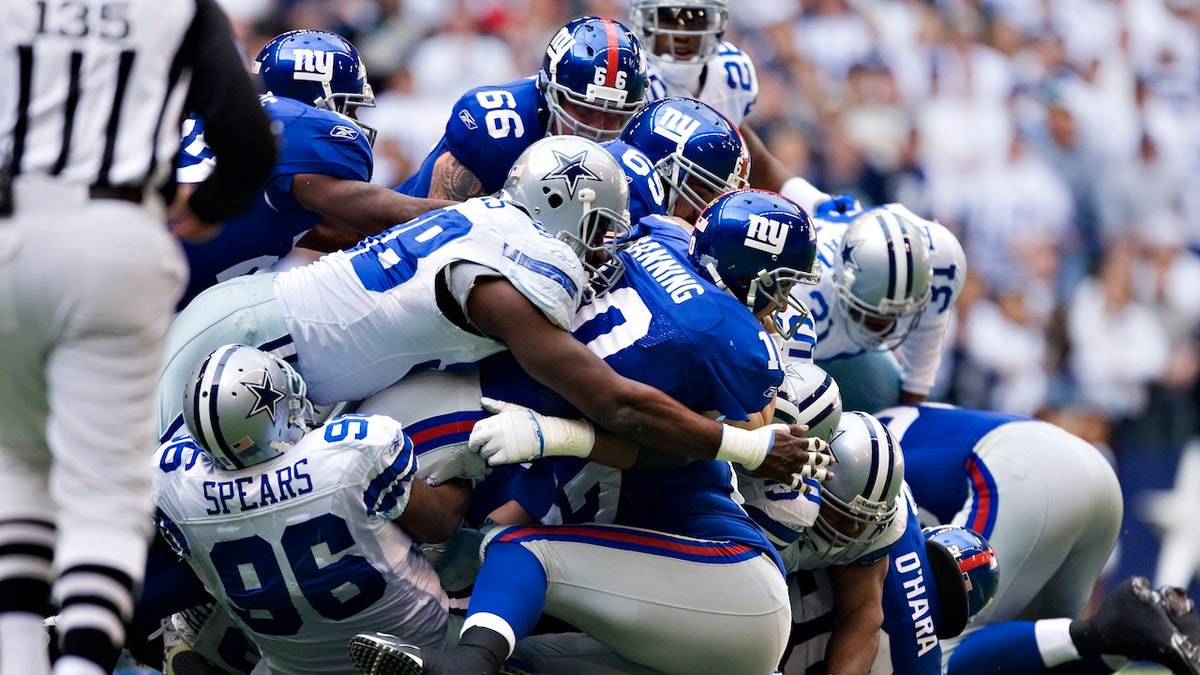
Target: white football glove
517 434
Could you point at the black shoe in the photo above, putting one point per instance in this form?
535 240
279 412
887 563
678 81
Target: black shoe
1135 622
383 654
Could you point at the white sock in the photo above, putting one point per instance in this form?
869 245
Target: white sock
1054 641
492 622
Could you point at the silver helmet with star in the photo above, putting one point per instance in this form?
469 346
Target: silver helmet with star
573 189
244 406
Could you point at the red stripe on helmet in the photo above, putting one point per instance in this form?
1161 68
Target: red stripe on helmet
978 560
614 56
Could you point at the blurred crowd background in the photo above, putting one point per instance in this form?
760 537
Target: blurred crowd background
1057 138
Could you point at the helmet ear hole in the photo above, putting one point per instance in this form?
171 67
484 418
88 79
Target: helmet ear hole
555 201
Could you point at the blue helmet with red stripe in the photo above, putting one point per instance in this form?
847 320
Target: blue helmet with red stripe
882 276
594 78
966 572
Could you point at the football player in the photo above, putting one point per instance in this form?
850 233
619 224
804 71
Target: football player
688 56
314 81
929 627
878 317
258 487
592 79
681 317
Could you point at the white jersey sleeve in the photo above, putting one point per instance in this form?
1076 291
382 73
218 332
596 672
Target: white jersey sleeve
302 549
728 83
920 355
364 318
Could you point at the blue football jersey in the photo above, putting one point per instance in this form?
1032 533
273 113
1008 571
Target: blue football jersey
663 325
910 604
646 192
311 140
488 129
939 451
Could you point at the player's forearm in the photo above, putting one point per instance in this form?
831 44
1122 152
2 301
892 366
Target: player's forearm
851 652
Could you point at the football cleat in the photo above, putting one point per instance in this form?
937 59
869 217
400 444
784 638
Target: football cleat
383 654
1136 622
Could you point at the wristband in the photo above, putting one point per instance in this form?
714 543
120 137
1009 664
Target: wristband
567 437
747 447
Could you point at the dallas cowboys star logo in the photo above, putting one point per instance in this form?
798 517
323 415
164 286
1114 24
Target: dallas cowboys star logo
572 169
265 396
848 255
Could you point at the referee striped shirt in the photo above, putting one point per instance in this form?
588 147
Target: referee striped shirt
94 91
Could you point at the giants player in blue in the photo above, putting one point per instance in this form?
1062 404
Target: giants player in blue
666 322
1050 504
593 77
314 81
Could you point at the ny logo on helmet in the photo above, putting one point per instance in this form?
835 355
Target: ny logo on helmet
675 125
312 65
765 234
561 44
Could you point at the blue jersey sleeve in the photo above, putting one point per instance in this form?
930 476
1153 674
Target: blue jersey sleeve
491 126
646 193
317 141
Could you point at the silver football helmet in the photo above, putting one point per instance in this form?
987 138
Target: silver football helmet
809 395
882 278
860 501
574 189
245 406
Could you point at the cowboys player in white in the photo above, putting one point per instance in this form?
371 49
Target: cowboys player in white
688 56
877 319
304 532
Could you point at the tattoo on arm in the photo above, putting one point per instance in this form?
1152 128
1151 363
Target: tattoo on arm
451 180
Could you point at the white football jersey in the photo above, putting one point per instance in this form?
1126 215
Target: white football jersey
728 83
920 354
385 291
302 549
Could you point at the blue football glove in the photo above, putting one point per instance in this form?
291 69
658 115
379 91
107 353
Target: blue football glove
840 209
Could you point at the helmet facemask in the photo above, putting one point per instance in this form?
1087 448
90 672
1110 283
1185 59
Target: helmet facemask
245 406
680 32
594 79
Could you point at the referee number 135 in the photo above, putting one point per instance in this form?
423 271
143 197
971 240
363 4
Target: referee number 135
79 18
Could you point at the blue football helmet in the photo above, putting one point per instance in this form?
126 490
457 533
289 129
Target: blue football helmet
966 572
882 278
315 67
697 152
756 245
245 406
596 65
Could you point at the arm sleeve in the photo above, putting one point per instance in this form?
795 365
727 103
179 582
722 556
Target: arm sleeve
236 128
